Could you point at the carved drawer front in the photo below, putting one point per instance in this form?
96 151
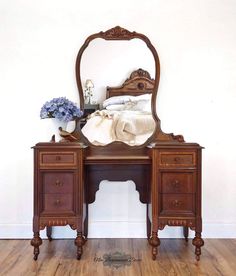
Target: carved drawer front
56 203
58 182
181 159
177 182
57 158
181 204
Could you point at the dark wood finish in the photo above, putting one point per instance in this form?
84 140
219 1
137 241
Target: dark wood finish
176 191
186 232
166 171
139 173
139 83
58 159
62 193
172 158
49 232
177 182
58 190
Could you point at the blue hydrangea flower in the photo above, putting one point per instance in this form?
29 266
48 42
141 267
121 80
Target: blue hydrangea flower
60 108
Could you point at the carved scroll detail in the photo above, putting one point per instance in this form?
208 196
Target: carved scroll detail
57 222
161 136
117 33
176 222
140 73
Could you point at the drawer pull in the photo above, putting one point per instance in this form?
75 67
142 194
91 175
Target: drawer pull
177 203
177 159
58 202
58 183
176 184
58 158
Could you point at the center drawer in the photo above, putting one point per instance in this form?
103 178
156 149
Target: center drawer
178 182
58 182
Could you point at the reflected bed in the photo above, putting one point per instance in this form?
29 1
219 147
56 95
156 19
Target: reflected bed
126 115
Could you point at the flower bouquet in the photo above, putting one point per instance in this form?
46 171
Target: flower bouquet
60 108
64 113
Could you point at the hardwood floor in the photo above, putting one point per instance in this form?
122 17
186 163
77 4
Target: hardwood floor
176 257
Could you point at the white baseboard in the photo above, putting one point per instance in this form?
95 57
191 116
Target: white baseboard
117 229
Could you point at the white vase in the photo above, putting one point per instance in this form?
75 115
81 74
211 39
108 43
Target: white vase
54 125
70 127
51 127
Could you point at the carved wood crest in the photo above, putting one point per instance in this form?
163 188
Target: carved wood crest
117 33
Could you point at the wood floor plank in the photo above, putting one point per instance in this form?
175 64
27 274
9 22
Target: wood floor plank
175 257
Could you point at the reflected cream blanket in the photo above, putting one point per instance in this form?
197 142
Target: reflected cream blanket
132 127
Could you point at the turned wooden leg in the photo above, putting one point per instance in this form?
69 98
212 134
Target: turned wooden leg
79 242
186 232
148 224
36 242
49 232
154 241
198 243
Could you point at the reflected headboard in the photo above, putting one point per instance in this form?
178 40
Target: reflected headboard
139 82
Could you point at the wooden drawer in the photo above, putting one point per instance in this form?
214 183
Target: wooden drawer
177 204
57 159
57 203
177 159
178 182
58 182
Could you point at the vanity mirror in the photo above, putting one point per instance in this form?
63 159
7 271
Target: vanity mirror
127 111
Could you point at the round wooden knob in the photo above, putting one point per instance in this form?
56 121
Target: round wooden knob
177 159
58 202
176 184
176 203
58 183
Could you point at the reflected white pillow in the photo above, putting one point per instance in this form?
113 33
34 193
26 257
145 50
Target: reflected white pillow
143 97
117 100
116 107
143 105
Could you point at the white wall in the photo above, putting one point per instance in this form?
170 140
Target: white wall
196 42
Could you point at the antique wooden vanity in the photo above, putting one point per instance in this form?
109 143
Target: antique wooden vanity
165 169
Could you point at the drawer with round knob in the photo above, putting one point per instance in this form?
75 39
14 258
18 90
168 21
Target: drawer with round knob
58 182
181 204
177 159
178 182
57 203
63 158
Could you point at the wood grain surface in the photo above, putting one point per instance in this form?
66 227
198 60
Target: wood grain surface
176 257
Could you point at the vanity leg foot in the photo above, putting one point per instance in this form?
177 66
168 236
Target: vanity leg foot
49 232
198 243
186 233
79 242
154 241
36 242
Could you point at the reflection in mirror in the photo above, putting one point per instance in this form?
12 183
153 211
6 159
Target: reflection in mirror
124 111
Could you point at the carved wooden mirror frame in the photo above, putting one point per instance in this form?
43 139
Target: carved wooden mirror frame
118 33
